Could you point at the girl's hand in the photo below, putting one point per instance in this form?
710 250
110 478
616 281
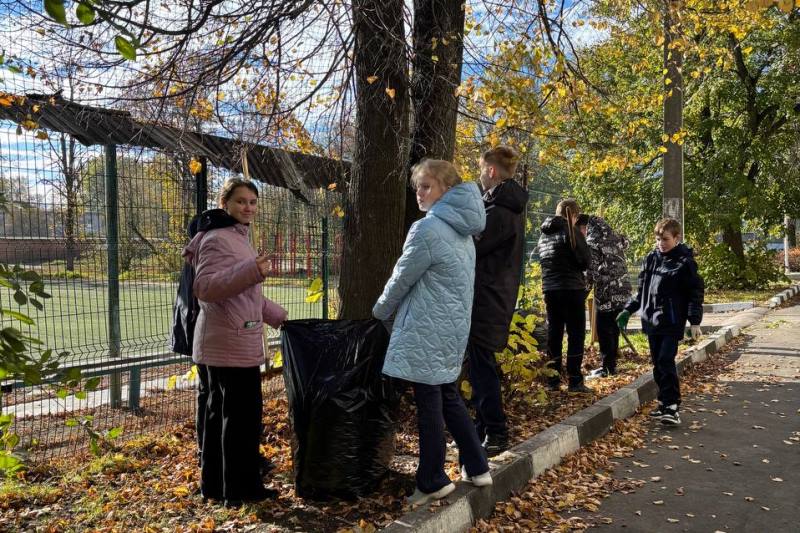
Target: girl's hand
262 262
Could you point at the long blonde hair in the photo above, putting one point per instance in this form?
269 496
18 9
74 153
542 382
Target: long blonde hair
568 208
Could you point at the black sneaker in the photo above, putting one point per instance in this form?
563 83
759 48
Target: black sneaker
495 444
581 388
597 373
658 412
670 417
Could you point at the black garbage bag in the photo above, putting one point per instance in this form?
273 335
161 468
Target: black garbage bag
341 406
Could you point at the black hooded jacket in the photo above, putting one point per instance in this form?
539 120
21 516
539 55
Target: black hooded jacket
185 308
670 292
498 264
562 264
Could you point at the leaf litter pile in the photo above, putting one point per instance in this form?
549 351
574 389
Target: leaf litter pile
583 479
151 483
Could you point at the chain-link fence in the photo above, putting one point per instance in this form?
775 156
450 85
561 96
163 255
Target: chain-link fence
104 227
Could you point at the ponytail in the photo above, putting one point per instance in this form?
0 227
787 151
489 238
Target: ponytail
568 208
570 228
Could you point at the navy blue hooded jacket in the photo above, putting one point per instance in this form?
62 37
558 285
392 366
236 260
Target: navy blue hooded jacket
670 292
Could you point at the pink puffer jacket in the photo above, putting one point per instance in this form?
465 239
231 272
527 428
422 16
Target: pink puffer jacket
233 310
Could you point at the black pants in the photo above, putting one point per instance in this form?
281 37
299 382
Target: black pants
608 337
663 349
231 435
485 380
438 405
566 308
202 401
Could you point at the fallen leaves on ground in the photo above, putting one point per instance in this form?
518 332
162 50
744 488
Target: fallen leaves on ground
152 484
583 479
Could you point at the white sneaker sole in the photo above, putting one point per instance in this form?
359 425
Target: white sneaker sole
421 498
483 480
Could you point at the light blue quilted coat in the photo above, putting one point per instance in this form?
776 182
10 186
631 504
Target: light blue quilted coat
431 290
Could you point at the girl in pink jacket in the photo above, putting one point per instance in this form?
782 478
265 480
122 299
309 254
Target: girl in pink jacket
227 344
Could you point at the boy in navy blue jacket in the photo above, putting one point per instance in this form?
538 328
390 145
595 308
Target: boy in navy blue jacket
670 292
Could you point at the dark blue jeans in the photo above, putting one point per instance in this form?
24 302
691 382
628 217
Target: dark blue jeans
663 349
438 405
485 380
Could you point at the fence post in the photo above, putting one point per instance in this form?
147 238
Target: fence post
201 187
112 247
325 276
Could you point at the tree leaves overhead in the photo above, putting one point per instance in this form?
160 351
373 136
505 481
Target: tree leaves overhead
125 48
85 13
56 9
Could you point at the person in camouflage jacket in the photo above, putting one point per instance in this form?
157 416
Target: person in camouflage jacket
608 274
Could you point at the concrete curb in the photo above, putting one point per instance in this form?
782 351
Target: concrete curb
727 307
512 470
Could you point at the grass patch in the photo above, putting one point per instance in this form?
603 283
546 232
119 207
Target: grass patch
15 493
738 295
75 319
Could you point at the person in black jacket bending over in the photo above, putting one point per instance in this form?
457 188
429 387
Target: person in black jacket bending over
498 252
564 255
670 292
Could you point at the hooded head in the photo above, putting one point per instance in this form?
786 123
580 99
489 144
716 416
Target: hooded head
462 208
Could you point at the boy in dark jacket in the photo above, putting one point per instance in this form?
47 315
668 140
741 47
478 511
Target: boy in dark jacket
608 275
564 256
498 252
670 292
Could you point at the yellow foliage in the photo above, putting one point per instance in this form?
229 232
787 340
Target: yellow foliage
195 166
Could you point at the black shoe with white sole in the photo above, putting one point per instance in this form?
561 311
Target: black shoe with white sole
670 417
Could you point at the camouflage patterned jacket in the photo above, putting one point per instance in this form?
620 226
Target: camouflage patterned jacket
608 273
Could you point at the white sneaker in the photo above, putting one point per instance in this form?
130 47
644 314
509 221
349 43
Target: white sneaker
421 498
482 480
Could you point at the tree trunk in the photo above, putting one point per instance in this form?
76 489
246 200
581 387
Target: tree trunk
673 115
732 236
791 232
438 39
375 205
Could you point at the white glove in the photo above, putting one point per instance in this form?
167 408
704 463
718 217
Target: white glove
694 332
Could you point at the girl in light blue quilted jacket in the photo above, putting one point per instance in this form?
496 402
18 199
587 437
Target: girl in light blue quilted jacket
430 296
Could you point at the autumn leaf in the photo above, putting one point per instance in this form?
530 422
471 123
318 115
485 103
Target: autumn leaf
390 92
332 187
338 211
42 135
372 79
195 166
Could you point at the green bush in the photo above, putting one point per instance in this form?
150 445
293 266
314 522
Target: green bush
722 270
66 274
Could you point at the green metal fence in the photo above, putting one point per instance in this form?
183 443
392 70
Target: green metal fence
104 226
